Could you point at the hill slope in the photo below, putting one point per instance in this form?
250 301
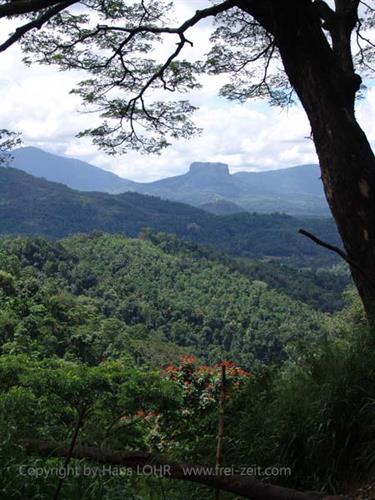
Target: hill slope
69 171
29 205
296 190
222 207
95 297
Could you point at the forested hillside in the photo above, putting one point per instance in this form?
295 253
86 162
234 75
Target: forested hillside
98 297
121 342
33 206
152 350
130 334
124 339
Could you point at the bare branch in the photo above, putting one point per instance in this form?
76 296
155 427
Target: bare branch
372 9
365 39
189 23
322 243
339 252
78 425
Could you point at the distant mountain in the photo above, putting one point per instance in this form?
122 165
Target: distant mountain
69 171
296 191
33 206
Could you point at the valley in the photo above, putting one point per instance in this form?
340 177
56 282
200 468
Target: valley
130 304
34 206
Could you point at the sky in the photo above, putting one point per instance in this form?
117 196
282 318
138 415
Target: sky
253 136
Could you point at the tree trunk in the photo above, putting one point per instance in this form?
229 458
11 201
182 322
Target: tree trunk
327 89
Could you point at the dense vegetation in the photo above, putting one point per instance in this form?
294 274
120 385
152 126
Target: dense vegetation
33 206
105 327
89 323
123 340
97 334
95 297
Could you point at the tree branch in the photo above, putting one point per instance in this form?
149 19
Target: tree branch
81 416
339 252
189 23
26 6
322 243
325 13
37 23
347 18
244 486
372 9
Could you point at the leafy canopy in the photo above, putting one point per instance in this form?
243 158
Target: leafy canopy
133 51
8 140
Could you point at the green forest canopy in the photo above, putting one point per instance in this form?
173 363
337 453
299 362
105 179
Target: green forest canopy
94 297
103 327
33 206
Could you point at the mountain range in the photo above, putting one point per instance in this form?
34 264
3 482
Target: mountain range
296 190
35 206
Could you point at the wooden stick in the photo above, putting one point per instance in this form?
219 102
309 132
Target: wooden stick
220 435
69 454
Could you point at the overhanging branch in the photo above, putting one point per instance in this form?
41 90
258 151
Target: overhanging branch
26 6
244 486
37 23
189 23
322 243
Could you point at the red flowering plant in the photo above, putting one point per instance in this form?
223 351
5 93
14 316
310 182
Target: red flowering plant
197 416
201 384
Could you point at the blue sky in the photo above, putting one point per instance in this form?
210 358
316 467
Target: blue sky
36 101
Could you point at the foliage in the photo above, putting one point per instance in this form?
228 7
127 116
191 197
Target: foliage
316 417
43 400
315 412
94 297
35 206
8 141
92 325
200 387
320 287
116 44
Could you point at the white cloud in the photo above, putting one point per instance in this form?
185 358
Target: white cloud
36 101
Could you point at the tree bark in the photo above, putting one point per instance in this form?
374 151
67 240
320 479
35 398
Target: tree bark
241 485
326 86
